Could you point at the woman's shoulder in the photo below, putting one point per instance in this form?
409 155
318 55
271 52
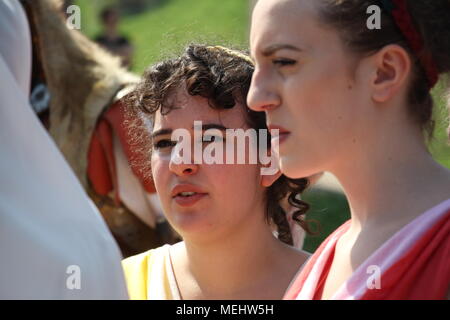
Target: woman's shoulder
145 261
139 269
142 259
150 275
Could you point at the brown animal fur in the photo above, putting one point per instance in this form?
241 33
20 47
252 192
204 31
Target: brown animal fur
82 78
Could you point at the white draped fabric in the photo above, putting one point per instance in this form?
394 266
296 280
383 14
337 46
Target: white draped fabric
53 242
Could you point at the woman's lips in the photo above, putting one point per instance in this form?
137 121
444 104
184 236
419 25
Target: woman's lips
187 195
189 200
282 136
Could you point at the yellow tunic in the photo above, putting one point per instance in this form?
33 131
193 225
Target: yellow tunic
150 275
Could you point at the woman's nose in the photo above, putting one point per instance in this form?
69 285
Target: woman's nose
183 169
181 166
262 96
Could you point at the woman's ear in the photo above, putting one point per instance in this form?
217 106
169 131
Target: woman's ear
268 180
392 67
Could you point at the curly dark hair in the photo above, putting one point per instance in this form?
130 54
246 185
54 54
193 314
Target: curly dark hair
431 20
223 77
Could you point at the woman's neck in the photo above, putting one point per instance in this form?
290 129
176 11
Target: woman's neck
391 178
237 267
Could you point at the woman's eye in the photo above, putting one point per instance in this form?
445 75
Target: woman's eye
208 139
283 62
161 144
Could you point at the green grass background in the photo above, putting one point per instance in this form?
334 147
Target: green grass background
169 26
166 28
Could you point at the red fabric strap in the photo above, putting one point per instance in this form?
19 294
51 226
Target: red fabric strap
405 23
101 170
298 283
423 273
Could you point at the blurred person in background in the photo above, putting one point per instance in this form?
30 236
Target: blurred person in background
111 39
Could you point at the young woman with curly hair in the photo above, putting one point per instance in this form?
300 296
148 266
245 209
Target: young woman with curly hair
225 213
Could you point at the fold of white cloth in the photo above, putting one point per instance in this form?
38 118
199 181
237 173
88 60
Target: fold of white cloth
53 242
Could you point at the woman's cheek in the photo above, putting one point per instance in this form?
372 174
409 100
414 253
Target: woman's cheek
160 172
236 179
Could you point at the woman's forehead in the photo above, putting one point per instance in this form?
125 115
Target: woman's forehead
285 7
286 21
186 109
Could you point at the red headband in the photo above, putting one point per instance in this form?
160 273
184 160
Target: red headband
404 22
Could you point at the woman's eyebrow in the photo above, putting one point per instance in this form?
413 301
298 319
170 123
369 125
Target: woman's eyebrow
161 132
207 126
213 126
270 50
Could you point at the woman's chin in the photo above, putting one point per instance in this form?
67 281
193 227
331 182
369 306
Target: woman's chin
293 168
191 223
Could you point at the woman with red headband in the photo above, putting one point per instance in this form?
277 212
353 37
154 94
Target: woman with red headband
353 98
